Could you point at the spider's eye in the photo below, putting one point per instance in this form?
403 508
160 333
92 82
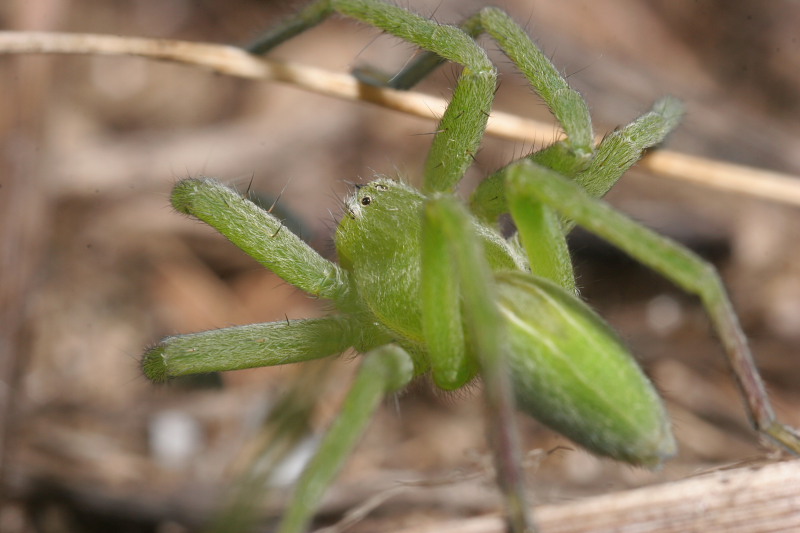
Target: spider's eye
366 200
381 187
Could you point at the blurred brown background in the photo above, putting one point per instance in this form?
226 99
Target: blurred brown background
95 265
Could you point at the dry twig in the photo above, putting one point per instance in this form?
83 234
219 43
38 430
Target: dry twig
234 61
744 500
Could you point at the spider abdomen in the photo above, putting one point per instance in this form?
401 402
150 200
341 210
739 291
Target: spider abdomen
571 372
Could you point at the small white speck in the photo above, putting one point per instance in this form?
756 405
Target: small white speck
663 314
175 437
289 470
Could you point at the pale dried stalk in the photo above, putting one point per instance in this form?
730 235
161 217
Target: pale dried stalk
744 500
234 61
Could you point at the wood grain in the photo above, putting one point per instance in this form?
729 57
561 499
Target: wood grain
745 500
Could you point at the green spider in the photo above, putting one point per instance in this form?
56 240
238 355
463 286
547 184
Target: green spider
426 285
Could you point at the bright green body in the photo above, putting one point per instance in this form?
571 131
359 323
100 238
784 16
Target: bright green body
568 368
426 285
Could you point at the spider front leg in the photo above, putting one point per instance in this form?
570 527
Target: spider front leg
460 130
250 346
455 275
616 153
569 156
535 184
265 239
542 231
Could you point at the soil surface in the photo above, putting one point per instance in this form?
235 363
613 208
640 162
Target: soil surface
96 266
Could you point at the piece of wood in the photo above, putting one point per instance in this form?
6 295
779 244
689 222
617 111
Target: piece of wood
754 499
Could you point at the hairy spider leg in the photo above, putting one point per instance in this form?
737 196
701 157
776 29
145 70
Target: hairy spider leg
449 245
542 231
461 127
256 232
249 346
533 183
569 156
597 170
383 371
617 152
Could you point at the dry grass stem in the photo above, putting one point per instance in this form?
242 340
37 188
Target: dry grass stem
742 500
233 61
